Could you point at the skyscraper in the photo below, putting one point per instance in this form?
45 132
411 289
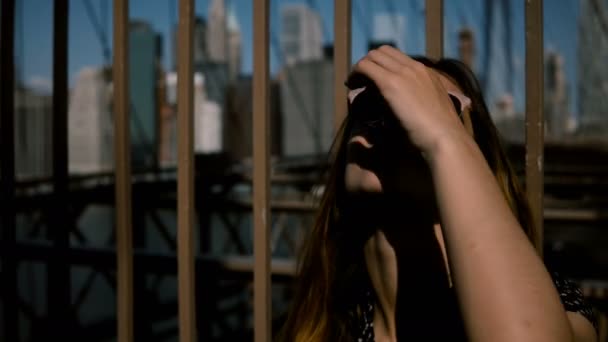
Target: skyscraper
301 35
556 96
390 28
33 133
200 52
144 45
592 71
90 126
234 45
207 120
223 37
307 104
217 37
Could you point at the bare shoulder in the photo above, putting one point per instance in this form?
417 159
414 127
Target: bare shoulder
582 329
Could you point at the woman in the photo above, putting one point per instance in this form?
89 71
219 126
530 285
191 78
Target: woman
423 232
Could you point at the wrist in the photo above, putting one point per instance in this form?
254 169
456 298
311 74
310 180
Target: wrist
450 145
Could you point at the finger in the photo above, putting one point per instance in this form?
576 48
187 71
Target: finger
385 60
408 64
396 54
372 70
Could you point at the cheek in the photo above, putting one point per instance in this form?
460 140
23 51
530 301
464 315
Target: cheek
410 177
357 180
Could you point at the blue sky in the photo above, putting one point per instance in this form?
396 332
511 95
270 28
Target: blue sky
34 31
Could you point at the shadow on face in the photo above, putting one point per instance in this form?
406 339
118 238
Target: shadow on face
387 180
380 157
382 160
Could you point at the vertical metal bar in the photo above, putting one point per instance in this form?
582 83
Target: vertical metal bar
434 28
185 171
7 173
58 290
122 145
261 170
534 114
342 56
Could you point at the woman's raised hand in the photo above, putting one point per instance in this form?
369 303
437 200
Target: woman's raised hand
416 96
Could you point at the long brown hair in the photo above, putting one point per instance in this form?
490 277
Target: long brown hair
329 264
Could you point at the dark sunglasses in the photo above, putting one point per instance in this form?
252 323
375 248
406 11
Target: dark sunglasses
370 109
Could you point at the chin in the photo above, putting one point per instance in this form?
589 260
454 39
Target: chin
359 180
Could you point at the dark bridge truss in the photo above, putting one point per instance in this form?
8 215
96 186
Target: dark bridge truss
224 262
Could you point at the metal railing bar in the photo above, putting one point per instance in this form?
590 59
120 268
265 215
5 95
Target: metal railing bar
342 56
122 169
58 275
534 115
261 173
10 315
434 28
185 174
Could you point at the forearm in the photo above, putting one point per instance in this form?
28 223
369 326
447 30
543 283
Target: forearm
504 290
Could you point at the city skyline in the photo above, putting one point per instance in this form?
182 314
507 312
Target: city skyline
34 41
302 34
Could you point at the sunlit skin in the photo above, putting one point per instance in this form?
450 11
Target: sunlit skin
434 173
